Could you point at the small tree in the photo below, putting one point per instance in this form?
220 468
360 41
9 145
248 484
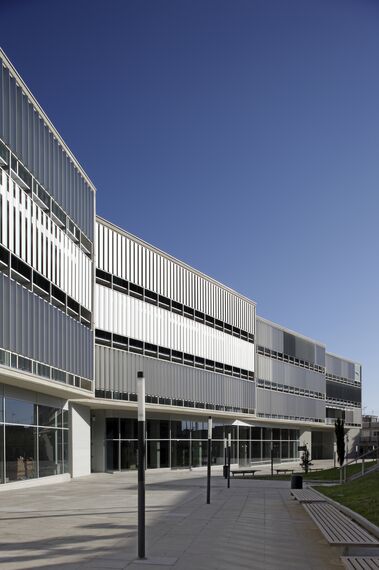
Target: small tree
339 430
305 459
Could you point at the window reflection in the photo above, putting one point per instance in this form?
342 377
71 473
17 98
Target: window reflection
128 455
158 429
48 452
47 416
1 455
158 454
180 454
25 441
112 428
183 443
128 428
20 412
21 453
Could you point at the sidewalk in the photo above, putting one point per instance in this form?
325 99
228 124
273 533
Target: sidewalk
91 523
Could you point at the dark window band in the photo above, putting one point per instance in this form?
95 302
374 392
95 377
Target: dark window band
263 351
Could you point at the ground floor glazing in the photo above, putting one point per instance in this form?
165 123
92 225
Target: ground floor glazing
179 444
33 438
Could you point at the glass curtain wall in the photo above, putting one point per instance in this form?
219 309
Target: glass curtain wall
180 444
33 440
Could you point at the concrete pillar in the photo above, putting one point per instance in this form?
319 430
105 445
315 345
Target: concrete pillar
98 441
306 439
80 440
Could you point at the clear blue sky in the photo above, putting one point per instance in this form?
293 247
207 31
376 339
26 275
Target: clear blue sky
240 136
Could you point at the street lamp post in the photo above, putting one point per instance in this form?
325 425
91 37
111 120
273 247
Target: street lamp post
229 446
225 458
209 460
141 463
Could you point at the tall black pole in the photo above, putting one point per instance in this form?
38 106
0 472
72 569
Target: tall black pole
225 458
229 446
272 460
209 460
141 464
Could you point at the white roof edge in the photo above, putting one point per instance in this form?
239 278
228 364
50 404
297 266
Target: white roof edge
174 259
37 105
290 331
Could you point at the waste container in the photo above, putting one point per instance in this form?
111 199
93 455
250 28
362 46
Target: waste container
296 482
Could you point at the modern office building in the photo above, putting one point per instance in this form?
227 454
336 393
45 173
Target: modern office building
84 305
369 435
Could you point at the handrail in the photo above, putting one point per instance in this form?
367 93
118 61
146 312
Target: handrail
370 452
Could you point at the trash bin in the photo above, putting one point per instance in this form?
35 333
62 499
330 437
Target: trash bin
296 482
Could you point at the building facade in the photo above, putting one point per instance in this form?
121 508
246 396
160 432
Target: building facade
369 435
84 305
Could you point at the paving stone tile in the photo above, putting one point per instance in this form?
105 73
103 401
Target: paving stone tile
92 523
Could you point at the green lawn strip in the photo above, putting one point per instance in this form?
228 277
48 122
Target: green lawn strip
361 496
332 474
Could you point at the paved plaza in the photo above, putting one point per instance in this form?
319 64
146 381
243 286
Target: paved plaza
91 523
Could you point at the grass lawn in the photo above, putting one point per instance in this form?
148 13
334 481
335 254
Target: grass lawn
332 474
361 496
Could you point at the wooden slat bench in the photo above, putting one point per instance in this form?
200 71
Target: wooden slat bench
361 562
307 496
337 528
243 471
285 471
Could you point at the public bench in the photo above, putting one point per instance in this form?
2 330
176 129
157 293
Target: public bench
244 471
307 496
361 562
337 528
285 471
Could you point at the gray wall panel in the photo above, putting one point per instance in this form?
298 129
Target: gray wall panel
284 373
269 402
269 336
117 370
343 368
276 338
33 328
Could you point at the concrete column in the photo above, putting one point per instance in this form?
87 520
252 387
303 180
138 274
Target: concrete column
98 441
306 439
80 440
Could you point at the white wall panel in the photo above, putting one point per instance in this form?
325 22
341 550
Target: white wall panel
69 268
144 266
127 316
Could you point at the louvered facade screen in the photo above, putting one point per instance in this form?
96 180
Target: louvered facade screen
47 211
